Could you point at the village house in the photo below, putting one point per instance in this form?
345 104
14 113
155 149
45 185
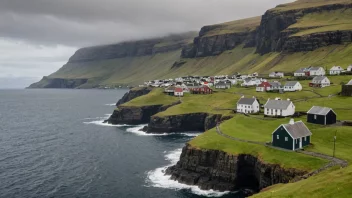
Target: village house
247 105
248 82
321 115
292 86
170 90
347 89
264 86
310 71
275 86
178 92
223 85
320 81
291 136
279 108
336 70
203 89
349 68
316 71
276 75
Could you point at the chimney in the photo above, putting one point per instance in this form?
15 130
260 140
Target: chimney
277 98
242 96
292 121
288 99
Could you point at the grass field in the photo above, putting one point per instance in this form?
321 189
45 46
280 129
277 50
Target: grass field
243 25
155 97
301 4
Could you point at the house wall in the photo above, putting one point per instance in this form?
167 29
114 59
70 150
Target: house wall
281 142
305 141
331 118
299 74
346 90
320 119
254 108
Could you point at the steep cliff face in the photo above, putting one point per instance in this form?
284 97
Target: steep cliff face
132 49
217 170
132 94
58 83
215 39
273 33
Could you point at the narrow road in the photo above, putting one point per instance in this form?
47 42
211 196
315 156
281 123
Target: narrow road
332 161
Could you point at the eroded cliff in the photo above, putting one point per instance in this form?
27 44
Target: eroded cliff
133 93
218 170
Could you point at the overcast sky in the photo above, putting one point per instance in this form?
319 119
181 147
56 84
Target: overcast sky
38 36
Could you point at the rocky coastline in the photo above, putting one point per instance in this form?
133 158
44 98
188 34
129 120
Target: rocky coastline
218 170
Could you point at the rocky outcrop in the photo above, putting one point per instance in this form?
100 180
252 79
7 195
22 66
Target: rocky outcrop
271 36
133 115
184 122
133 48
57 83
218 170
214 45
133 93
136 115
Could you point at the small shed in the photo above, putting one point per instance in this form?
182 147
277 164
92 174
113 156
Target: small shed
321 115
291 136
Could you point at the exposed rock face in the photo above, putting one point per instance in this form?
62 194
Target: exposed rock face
217 170
132 94
136 115
183 123
59 83
133 115
214 45
271 37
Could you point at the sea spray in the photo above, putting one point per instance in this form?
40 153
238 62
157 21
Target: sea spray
157 178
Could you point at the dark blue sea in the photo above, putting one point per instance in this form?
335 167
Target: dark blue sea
53 144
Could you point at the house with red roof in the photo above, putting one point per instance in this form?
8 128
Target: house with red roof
178 91
203 89
264 86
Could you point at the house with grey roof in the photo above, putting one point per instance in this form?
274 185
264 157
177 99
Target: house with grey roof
279 108
276 75
316 71
320 81
349 68
321 115
292 86
275 86
347 89
247 105
300 72
223 85
291 136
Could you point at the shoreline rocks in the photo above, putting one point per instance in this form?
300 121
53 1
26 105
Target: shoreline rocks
218 170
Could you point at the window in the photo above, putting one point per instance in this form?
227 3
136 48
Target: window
296 141
305 138
277 136
286 139
315 117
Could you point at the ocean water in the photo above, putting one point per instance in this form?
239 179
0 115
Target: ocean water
53 144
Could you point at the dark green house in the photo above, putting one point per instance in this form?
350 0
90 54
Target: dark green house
291 136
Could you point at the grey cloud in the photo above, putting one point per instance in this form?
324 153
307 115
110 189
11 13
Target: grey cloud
90 22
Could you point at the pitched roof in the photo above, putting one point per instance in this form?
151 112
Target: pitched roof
290 83
246 101
336 68
171 88
220 84
314 68
319 78
297 130
301 70
319 110
277 104
263 84
275 84
349 83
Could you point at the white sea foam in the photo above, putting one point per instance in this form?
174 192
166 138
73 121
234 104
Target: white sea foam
113 104
100 123
136 130
157 178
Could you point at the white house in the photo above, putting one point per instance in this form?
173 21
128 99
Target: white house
274 86
336 70
316 71
223 85
248 105
178 91
320 81
248 82
278 107
349 68
276 75
293 86
300 72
